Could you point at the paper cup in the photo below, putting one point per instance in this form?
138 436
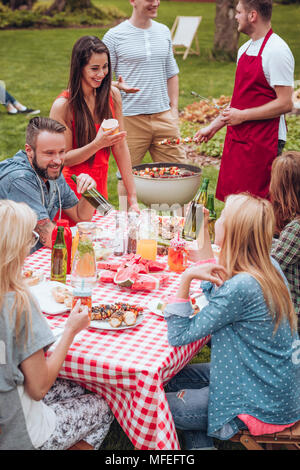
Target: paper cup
110 125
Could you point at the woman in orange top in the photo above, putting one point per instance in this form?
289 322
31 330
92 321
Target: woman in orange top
89 100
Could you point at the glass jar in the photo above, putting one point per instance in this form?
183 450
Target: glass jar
177 255
84 270
147 234
85 297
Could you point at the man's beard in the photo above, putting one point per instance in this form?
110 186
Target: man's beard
43 172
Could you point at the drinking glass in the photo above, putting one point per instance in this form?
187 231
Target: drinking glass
147 234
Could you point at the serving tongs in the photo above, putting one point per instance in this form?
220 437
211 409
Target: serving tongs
209 101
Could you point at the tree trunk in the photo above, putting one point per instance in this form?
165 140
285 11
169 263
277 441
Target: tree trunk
71 5
226 33
15 4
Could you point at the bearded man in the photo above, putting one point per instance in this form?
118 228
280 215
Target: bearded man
34 176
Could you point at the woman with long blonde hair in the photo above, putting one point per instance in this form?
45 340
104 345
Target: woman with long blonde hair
38 411
252 381
285 198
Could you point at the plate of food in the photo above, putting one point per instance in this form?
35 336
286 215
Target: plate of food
157 306
118 316
33 277
54 297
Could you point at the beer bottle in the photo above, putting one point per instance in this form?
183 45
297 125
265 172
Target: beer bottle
96 199
59 257
201 196
212 217
194 218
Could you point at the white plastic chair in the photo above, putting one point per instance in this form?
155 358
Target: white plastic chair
183 33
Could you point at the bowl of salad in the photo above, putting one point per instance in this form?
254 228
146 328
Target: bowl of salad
166 184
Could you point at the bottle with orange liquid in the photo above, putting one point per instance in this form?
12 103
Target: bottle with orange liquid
84 262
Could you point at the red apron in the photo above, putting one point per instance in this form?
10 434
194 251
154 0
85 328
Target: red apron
250 147
98 170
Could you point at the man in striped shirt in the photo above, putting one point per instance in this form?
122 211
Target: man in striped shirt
142 56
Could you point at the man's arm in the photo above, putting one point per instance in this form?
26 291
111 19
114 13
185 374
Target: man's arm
282 104
44 228
83 210
173 92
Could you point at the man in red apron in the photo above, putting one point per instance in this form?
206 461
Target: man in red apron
262 95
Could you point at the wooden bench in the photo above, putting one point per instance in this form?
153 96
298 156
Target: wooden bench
81 445
289 437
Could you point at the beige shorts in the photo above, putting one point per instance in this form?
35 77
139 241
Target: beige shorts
145 131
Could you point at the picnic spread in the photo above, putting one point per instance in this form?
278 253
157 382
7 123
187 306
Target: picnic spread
128 364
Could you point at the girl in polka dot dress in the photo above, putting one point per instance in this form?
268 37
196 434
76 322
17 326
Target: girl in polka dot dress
253 379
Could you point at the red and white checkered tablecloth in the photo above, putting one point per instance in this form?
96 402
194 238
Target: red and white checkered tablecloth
127 367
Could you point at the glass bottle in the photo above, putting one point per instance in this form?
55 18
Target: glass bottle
119 242
194 218
96 199
68 239
84 263
212 217
132 232
59 257
201 197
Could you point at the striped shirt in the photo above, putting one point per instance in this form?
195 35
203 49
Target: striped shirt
144 58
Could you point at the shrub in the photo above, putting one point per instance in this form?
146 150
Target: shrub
37 17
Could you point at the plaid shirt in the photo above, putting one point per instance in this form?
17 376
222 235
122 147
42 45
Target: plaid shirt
286 250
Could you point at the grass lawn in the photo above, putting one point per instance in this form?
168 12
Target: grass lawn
35 67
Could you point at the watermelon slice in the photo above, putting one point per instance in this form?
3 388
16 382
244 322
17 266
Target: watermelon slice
125 276
106 275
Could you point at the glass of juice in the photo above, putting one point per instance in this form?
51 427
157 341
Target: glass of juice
147 234
177 255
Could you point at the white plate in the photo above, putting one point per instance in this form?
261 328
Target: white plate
45 298
37 277
104 324
152 305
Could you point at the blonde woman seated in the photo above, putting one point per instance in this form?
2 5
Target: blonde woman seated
38 411
253 380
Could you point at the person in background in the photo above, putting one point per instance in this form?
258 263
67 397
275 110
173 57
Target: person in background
38 410
256 129
285 198
252 381
13 106
89 100
34 176
142 57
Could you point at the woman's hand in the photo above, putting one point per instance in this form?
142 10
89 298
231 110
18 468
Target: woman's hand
108 139
85 182
78 319
211 272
